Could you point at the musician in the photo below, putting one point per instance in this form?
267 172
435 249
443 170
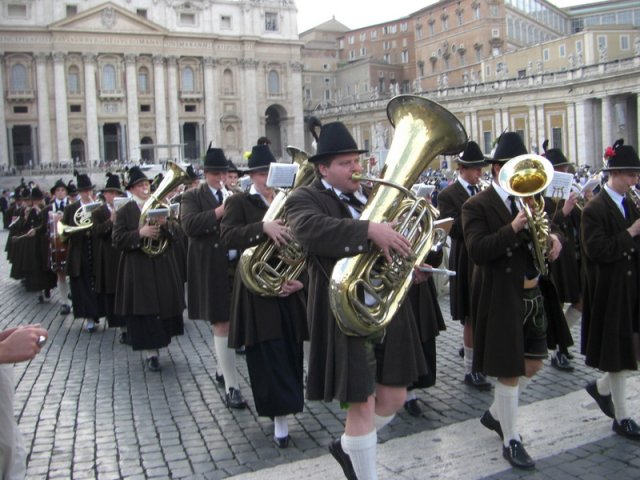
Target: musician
370 376
233 174
208 264
85 300
21 224
149 290
58 252
5 201
72 192
470 164
507 304
106 255
272 329
611 241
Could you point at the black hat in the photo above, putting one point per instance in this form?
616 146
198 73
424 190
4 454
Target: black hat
621 157
71 188
112 184
192 173
25 193
36 194
472 156
215 161
233 168
510 145
135 175
334 139
84 182
260 158
59 184
554 155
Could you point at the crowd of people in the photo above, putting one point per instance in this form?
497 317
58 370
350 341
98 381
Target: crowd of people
143 250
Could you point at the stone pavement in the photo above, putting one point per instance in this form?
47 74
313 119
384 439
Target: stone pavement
88 409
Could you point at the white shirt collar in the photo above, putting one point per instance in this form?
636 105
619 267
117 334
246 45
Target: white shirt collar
254 191
616 197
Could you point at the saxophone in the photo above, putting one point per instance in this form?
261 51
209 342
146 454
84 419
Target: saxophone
266 267
365 291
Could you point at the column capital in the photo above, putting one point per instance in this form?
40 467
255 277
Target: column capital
58 57
41 57
89 57
158 59
172 60
210 61
297 66
248 63
130 58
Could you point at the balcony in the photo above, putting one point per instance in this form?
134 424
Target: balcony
190 96
20 96
111 95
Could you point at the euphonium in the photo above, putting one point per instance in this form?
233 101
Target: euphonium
82 220
174 177
365 291
266 267
523 177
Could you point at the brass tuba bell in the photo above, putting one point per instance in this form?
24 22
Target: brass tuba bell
365 291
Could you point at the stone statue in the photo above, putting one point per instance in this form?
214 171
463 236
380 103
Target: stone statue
636 43
474 78
603 54
529 68
572 61
465 78
539 66
445 80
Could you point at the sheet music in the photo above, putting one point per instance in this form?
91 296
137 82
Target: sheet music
560 186
156 213
590 185
282 175
422 190
118 202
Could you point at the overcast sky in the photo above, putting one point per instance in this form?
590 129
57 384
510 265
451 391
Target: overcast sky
360 13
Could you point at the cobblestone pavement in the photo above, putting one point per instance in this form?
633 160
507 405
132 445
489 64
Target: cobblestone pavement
88 409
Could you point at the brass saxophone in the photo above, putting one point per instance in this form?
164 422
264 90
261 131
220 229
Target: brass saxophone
365 291
266 267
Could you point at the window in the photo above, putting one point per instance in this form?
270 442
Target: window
145 108
545 55
363 36
495 33
522 74
327 95
386 45
561 51
352 55
419 32
307 94
386 58
403 27
476 16
143 81
556 137
374 34
75 108
432 29
404 42
460 17
363 52
72 10
141 12
352 40
20 109
624 42
73 80
271 22
487 141
445 24
602 42
188 83
190 108
225 22
187 19
579 46
274 83
493 10
15 10
404 56
227 82
19 81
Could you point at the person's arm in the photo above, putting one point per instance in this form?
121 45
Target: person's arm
21 344
194 220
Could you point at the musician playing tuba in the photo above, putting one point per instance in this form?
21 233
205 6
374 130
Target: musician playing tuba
365 372
509 296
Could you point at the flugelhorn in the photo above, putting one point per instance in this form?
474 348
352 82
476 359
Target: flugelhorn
365 291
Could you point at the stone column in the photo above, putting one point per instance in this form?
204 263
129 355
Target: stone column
607 122
132 107
160 95
62 120
172 93
296 135
636 141
534 142
585 151
90 100
44 115
505 121
571 132
497 122
474 131
212 123
540 131
468 127
5 154
250 103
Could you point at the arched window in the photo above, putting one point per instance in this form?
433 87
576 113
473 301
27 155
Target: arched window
188 84
19 78
109 77
227 82
230 138
73 80
143 80
274 83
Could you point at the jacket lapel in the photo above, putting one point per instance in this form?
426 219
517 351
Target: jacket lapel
210 202
498 205
614 211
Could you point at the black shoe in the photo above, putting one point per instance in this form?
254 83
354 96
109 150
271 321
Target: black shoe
91 326
413 407
65 309
604 401
517 456
627 428
461 352
40 299
477 380
491 423
153 364
123 338
282 442
96 321
234 399
241 351
219 379
343 459
561 362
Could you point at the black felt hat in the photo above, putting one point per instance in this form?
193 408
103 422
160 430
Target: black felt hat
36 194
215 161
510 145
192 173
59 184
554 155
260 158
334 139
135 176
71 188
233 168
25 192
621 157
84 182
472 156
112 184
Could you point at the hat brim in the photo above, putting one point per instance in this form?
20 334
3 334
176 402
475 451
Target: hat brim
115 190
614 169
324 156
262 168
137 181
85 189
215 169
474 163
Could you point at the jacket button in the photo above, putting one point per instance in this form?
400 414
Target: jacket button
508 269
360 248
629 273
215 245
346 249
509 254
632 250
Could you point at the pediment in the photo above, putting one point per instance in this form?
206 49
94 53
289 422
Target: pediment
107 18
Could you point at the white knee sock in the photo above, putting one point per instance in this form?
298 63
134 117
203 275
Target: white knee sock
64 291
411 395
226 361
468 360
573 316
280 426
618 394
151 353
523 383
380 422
603 385
506 399
362 451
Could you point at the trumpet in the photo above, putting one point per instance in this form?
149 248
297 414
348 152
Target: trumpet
634 196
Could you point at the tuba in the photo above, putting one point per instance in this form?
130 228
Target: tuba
365 291
266 267
523 177
172 179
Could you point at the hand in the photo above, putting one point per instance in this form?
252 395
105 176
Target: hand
519 222
31 233
570 203
21 344
556 247
634 229
419 276
384 236
290 287
150 231
277 231
219 211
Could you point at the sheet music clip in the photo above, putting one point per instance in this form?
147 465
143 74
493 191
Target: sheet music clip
244 183
157 213
422 190
282 175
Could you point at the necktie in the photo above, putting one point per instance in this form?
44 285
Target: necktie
512 205
219 196
625 207
351 200
472 190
